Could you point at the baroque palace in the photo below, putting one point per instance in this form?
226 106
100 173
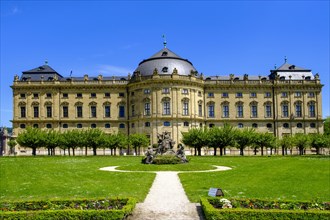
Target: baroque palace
166 93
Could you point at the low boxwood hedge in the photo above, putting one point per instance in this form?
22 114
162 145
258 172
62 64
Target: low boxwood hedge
116 208
212 213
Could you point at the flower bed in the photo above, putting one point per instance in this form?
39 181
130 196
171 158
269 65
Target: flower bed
117 208
263 209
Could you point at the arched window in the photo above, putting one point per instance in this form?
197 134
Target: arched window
269 125
285 125
48 125
166 106
35 125
185 107
239 110
210 108
225 109
147 124
107 125
79 125
254 109
312 125
122 125
93 125
22 126
211 125
268 109
299 125
311 109
298 108
285 109
185 124
240 125
254 125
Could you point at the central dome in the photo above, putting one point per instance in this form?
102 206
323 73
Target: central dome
165 61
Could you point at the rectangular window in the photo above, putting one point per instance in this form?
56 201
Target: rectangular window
297 94
22 95
240 111
36 111
185 108
121 111
211 111
225 95
285 111
107 111
23 112
48 95
79 95
253 95
35 95
166 91
268 110
254 111
210 94
284 94
199 93
268 95
239 95
146 91
166 108
184 91
65 111
133 110
147 108
93 111
311 95
93 95
49 111
121 94
65 95
107 94
225 111
79 112
200 110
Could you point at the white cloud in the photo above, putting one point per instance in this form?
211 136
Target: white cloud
113 70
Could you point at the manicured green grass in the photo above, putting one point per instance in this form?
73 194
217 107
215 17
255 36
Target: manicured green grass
290 178
293 178
28 178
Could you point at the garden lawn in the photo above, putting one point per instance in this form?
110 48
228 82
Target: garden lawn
291 178
33 178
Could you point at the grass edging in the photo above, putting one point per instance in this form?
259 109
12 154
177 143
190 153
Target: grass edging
212 213
68 213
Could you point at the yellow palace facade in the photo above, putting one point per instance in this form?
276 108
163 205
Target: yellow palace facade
166 93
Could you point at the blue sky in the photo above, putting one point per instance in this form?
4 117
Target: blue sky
112 37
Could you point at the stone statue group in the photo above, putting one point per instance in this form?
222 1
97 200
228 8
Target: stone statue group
165 147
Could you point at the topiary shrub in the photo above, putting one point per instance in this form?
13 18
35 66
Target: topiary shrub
167 159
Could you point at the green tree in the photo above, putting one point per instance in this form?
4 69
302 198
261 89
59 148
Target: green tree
286 143
196 138
327 126
137 141
72 139
245 138
114 141
32 138
319 141
11 143
262 140
301 141
221 138
93 139
52 140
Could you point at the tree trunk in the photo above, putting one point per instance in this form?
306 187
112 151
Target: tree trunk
214 151
85 151
73 154
241 151
255 151
195 151
34 151
282 151
221 150
262 151
224 151
94 151
317 150
199 151
114 149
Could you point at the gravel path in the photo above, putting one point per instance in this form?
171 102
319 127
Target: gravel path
166 199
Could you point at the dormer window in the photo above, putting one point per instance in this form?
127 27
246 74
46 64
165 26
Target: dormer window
292 67
282 78
164 54
165 69
307 78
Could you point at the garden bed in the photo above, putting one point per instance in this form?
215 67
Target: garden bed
114 208
264 209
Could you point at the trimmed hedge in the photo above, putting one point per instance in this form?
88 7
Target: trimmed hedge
212 213
167 159
118 208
